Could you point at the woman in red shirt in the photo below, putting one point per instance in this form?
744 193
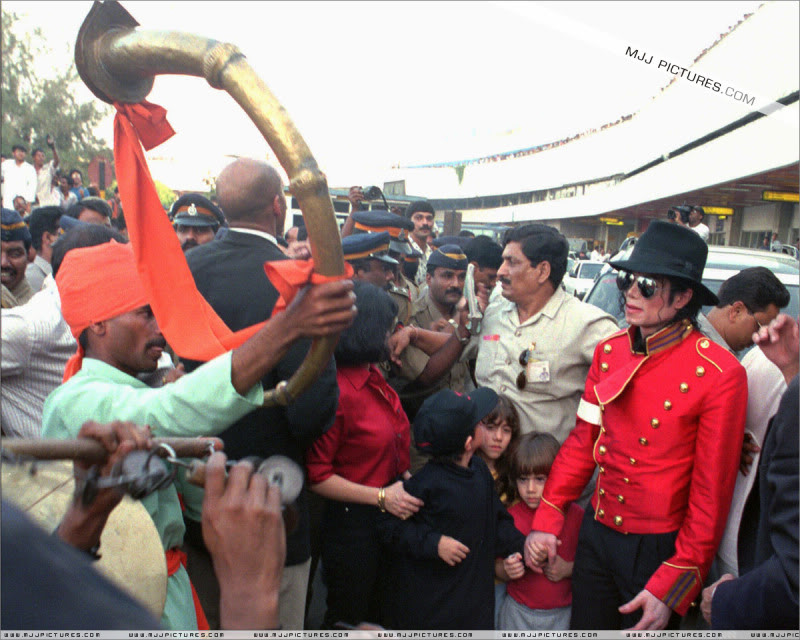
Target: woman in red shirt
359 464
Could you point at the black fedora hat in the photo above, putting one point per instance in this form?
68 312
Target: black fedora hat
669 249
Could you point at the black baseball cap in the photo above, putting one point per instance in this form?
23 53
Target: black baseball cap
446 418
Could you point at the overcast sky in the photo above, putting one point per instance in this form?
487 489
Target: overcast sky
375 84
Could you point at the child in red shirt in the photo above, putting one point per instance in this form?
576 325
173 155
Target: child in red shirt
539 602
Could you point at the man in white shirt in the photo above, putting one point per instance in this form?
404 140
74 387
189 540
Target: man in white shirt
747 301
421 213
47 193
696 216
19 177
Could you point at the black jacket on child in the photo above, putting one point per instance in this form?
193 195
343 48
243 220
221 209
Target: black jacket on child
461 503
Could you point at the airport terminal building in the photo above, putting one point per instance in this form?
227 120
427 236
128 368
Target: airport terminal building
722 134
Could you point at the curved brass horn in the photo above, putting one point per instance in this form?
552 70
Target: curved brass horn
119 63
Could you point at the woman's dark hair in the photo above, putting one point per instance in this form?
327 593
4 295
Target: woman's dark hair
365 340
505 411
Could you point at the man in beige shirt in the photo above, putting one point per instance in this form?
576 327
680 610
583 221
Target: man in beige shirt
536 341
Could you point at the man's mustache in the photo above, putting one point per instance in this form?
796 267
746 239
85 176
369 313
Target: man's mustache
453 290
161 343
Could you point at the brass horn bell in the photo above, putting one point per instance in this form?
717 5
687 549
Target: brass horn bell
119 62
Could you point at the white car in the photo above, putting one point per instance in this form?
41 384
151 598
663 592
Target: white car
580 277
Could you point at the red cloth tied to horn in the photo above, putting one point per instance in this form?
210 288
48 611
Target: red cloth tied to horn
189 324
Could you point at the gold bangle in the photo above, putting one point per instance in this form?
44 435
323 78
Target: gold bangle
413 339
382 499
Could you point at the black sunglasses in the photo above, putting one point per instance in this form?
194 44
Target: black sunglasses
522 379
647 286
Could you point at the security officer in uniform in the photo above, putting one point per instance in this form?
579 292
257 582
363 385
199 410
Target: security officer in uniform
368 254
410 266
196 220
662 419
403 291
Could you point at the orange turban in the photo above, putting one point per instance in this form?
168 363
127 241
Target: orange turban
96 284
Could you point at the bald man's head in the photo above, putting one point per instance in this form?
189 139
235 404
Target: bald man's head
250 191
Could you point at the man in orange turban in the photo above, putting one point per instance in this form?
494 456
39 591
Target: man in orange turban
105 305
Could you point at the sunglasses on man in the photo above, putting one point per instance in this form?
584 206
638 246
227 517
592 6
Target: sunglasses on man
647 286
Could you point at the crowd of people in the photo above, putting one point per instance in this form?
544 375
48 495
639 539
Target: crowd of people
26 186
481 451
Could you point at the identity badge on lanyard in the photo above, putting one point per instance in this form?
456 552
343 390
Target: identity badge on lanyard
536 370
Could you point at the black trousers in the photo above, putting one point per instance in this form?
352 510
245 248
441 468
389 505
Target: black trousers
611 568
352 564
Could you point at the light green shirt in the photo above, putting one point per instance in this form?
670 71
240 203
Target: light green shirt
202 403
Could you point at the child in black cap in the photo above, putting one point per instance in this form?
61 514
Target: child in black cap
444 569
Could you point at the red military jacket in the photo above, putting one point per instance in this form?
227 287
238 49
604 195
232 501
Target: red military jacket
665 430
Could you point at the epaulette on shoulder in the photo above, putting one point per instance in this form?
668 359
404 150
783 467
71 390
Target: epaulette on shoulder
400 291
714 353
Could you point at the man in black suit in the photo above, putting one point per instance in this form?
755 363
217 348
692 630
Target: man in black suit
229 272
766 597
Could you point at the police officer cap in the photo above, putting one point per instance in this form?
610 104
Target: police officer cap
194 210
381 220
367 245
14 229
447 418
450 256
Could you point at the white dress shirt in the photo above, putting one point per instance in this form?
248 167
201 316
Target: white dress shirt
765 387
18 180
36 346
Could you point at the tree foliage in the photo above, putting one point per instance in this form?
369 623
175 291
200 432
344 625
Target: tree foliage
165 194
35 106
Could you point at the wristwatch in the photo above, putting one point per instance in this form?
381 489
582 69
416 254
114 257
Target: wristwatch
455 326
